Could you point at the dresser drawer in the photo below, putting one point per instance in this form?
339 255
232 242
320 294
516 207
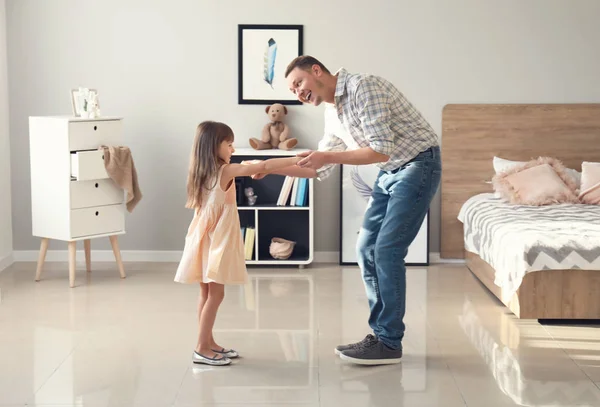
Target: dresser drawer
97 220
85 194
88 165
93 134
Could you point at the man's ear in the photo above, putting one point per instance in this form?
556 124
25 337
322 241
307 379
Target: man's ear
317 70
285 110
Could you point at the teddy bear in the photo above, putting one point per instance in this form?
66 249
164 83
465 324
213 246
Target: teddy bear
276 133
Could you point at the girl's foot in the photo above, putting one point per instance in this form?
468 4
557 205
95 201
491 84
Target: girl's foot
229 353
210 358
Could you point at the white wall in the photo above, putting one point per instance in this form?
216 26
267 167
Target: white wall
6 243
166 65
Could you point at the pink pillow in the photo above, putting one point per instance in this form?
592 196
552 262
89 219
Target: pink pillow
590 183
538 182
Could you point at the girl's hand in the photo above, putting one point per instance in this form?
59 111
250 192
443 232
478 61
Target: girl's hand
250 162
256 167
254 176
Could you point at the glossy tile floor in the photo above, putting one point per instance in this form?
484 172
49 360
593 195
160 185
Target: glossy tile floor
113 342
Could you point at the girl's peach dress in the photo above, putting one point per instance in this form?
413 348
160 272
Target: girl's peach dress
214 248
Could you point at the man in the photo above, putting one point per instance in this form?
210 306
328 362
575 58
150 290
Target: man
368 121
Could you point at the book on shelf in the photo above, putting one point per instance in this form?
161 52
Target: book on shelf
294 190
286 188
302 197
249 243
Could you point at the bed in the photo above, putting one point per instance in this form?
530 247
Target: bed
526 256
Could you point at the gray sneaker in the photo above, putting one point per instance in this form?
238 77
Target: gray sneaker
373 353
368 339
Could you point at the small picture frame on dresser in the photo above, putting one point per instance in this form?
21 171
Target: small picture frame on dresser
81 99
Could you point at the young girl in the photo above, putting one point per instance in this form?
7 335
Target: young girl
214 249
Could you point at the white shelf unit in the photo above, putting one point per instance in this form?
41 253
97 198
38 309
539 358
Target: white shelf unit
295 223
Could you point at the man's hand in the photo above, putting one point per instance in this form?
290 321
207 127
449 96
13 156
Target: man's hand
312 159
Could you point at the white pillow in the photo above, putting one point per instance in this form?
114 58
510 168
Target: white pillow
502 164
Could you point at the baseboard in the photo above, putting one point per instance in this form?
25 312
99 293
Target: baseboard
6 261
434 258
152 256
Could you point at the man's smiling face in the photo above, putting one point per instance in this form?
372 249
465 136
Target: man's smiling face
306 85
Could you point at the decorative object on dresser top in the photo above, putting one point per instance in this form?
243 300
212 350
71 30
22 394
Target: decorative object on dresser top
79 172
283 208
541 261
275 134
85 103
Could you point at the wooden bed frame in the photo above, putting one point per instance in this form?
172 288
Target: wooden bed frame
471 136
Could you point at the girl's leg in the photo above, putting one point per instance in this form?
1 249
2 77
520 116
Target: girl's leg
216 293
202 298
214 345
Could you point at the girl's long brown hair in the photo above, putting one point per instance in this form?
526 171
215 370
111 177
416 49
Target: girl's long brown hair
205 161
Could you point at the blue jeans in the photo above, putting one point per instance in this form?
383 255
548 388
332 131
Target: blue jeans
394 215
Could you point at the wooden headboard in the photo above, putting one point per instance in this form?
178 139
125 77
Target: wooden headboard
473 134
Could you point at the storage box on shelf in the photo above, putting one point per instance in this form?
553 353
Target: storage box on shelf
292 220
72 196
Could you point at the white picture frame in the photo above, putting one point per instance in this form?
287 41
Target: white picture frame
78 100
353 204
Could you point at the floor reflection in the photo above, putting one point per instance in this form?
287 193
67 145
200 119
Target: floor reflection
533 382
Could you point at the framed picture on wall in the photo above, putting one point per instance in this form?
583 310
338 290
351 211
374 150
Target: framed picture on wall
264 52
356 186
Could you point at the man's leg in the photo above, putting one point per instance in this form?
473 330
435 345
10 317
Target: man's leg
365 250
410 192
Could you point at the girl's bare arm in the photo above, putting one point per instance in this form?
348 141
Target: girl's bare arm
245 170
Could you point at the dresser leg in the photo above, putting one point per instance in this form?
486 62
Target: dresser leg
115 246
41 258
72 258
87 245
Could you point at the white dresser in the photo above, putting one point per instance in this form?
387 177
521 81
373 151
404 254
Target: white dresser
72 196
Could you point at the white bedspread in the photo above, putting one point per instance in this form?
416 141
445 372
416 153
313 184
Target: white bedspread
518 239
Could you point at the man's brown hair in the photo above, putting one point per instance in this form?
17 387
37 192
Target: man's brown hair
304 62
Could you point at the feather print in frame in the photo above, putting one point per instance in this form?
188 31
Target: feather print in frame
269 62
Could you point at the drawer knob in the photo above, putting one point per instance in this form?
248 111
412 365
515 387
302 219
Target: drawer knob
96 185
95 128
97 213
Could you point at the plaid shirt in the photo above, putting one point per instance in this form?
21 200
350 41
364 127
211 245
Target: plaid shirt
370 112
